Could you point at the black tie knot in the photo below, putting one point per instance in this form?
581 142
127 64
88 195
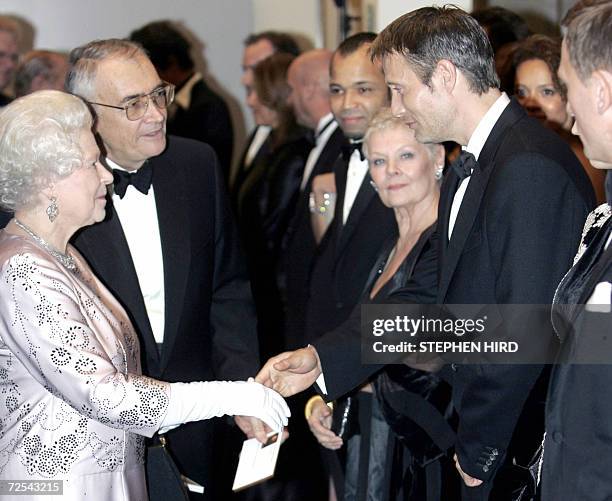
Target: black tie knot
140 179
464 165
349 148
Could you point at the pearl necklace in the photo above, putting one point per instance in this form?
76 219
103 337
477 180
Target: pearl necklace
65 260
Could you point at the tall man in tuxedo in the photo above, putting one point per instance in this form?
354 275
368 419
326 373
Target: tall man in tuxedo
257 47
510 217
577 452
198 111
168 248
308 78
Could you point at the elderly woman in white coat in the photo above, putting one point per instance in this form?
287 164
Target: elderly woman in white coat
74 407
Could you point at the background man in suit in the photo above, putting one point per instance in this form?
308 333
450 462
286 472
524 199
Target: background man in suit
167 250
577 453
257 47
198 112
361 222
308 78
40 70
512 171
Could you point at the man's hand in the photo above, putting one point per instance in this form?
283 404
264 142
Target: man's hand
469 481
256 428
253 427
319 422
291 372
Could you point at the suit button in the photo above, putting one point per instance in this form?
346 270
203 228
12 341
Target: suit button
339 305
557 437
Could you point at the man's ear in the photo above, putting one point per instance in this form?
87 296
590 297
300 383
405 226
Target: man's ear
601 85
445 75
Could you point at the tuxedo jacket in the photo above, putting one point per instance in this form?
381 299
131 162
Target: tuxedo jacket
301 246
241 171
210 322
578 448
346 255
208 120
516 232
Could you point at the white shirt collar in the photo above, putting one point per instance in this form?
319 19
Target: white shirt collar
485 126
183 96
114 165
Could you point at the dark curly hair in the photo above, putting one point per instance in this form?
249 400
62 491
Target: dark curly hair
545 49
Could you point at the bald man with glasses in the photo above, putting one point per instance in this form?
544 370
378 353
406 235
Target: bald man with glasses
168 247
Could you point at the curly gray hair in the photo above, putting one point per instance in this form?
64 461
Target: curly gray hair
39 144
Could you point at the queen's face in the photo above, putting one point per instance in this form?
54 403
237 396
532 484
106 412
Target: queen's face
536 92
81 196
402 168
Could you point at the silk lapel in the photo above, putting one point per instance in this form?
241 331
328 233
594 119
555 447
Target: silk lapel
105 248
174 232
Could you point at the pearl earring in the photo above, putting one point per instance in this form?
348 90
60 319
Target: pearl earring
439 172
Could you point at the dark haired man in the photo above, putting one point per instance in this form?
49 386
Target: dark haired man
40 70
9 55
517 172
198 112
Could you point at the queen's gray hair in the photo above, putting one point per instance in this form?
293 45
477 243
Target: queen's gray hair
384 119
39 144
84 62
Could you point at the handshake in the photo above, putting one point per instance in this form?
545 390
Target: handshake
288 373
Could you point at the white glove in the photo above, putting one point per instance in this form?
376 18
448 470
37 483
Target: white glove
203 400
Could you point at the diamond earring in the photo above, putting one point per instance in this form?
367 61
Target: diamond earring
52 209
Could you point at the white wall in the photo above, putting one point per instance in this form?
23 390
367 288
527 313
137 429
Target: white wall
298 17
220 25
386 11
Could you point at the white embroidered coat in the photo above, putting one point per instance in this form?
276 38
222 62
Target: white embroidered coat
73 403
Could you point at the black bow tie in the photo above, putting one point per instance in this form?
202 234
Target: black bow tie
464 165
349 148
141 180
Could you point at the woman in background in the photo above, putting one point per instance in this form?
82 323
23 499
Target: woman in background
267 197
543 95
406 174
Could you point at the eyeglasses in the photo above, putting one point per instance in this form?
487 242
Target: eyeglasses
136 107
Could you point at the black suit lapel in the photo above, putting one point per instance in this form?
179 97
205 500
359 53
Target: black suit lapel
470 205
173 220
106 250
364 196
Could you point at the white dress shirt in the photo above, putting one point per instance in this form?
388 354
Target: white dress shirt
138 215
261 134
475 144
357 170
325 128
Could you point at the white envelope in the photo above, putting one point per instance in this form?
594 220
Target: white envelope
257 461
